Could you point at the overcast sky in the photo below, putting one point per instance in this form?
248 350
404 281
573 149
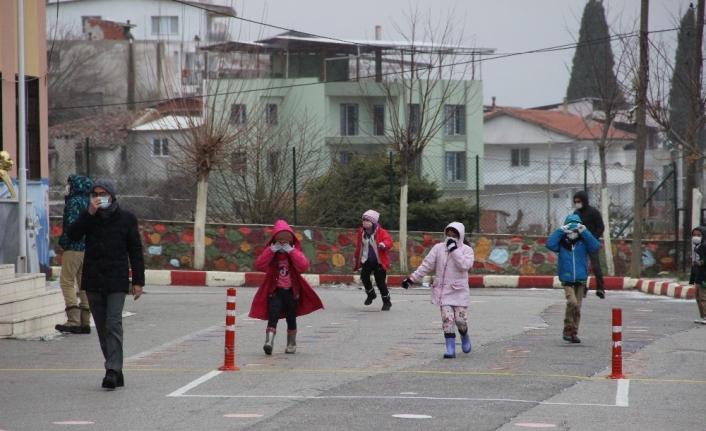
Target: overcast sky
509 26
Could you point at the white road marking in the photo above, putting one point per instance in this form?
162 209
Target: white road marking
410 416
621 396
181 391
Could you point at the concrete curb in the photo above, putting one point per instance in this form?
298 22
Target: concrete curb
253 279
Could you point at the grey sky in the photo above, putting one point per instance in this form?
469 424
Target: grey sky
507 25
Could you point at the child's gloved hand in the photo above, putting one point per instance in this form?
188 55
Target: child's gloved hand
451 245
406 282
566 229
276 247
581 228
287 248
381 245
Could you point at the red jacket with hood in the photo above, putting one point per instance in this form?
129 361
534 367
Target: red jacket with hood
381 237
268 262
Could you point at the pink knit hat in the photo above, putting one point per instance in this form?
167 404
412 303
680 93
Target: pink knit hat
371 215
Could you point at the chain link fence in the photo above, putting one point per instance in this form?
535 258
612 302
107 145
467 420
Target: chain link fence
515 195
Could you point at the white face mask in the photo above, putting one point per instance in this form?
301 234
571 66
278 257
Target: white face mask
367 224
578 206
572 235
696 240
105 202
67 191
448 238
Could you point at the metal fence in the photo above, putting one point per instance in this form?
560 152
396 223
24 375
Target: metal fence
515 195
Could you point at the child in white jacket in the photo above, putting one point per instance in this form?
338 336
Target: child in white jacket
451 261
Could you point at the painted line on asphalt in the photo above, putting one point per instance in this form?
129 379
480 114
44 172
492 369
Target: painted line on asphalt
621 395
379 397
184 389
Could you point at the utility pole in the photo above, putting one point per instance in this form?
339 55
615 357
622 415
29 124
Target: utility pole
639 197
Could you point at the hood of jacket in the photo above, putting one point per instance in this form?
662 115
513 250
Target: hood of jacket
80 185
281 225
459 228
583 196
572 219
701 229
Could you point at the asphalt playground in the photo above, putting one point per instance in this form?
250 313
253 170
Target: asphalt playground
358 368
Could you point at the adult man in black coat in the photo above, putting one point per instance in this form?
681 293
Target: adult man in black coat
112 238
592 219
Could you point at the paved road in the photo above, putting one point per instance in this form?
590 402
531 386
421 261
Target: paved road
358 368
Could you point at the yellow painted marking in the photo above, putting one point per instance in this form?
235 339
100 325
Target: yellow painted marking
348 371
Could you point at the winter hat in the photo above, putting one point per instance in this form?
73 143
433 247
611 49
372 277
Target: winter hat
572 221
105 184
371 215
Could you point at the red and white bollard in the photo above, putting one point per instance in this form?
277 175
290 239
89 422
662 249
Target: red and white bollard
229 361
617 345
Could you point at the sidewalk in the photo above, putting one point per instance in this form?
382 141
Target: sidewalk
254 279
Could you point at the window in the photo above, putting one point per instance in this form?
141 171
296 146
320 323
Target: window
237 114
455 166
271 114
349 119
238 163
379 120
346 157
413 118
32 126
519 157
455 120
165 25
272 162
54 60
160 147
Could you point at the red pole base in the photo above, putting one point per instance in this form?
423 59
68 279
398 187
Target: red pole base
616 377
228 368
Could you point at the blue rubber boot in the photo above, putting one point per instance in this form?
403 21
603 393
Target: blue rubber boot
466 342
450 348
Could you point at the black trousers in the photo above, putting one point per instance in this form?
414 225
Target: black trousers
597 271
107 311
283 299
380 275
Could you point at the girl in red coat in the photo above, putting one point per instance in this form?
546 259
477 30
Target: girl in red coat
284 292
372 255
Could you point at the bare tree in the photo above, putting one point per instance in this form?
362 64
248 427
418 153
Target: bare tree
425 87
77 76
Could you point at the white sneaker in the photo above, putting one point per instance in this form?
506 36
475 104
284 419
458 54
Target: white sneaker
702 321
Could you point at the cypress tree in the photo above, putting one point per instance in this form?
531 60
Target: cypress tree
592 74
679 94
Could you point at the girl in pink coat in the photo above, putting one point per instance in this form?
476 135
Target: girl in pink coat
450 260
284 292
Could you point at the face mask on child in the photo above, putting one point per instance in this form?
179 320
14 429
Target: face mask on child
696 240
367 224
67 191
572 235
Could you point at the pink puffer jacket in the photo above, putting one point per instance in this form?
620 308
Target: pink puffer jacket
450 285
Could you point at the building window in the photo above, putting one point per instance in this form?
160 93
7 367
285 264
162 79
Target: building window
272 162
379 120
160 147
238 163
413 118
519 157
237 114
165 25
271 114
455 120
455 166
32 126
349 119
345 157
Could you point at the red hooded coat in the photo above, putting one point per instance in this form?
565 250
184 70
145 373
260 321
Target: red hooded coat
307 299
381 237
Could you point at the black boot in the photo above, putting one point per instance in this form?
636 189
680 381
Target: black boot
110 380
386 303
371 296
120 381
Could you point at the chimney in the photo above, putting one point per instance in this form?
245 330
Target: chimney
565 106
378 32
492 107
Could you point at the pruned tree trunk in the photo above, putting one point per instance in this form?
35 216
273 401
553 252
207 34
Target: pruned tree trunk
200 221
605 200
404 187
